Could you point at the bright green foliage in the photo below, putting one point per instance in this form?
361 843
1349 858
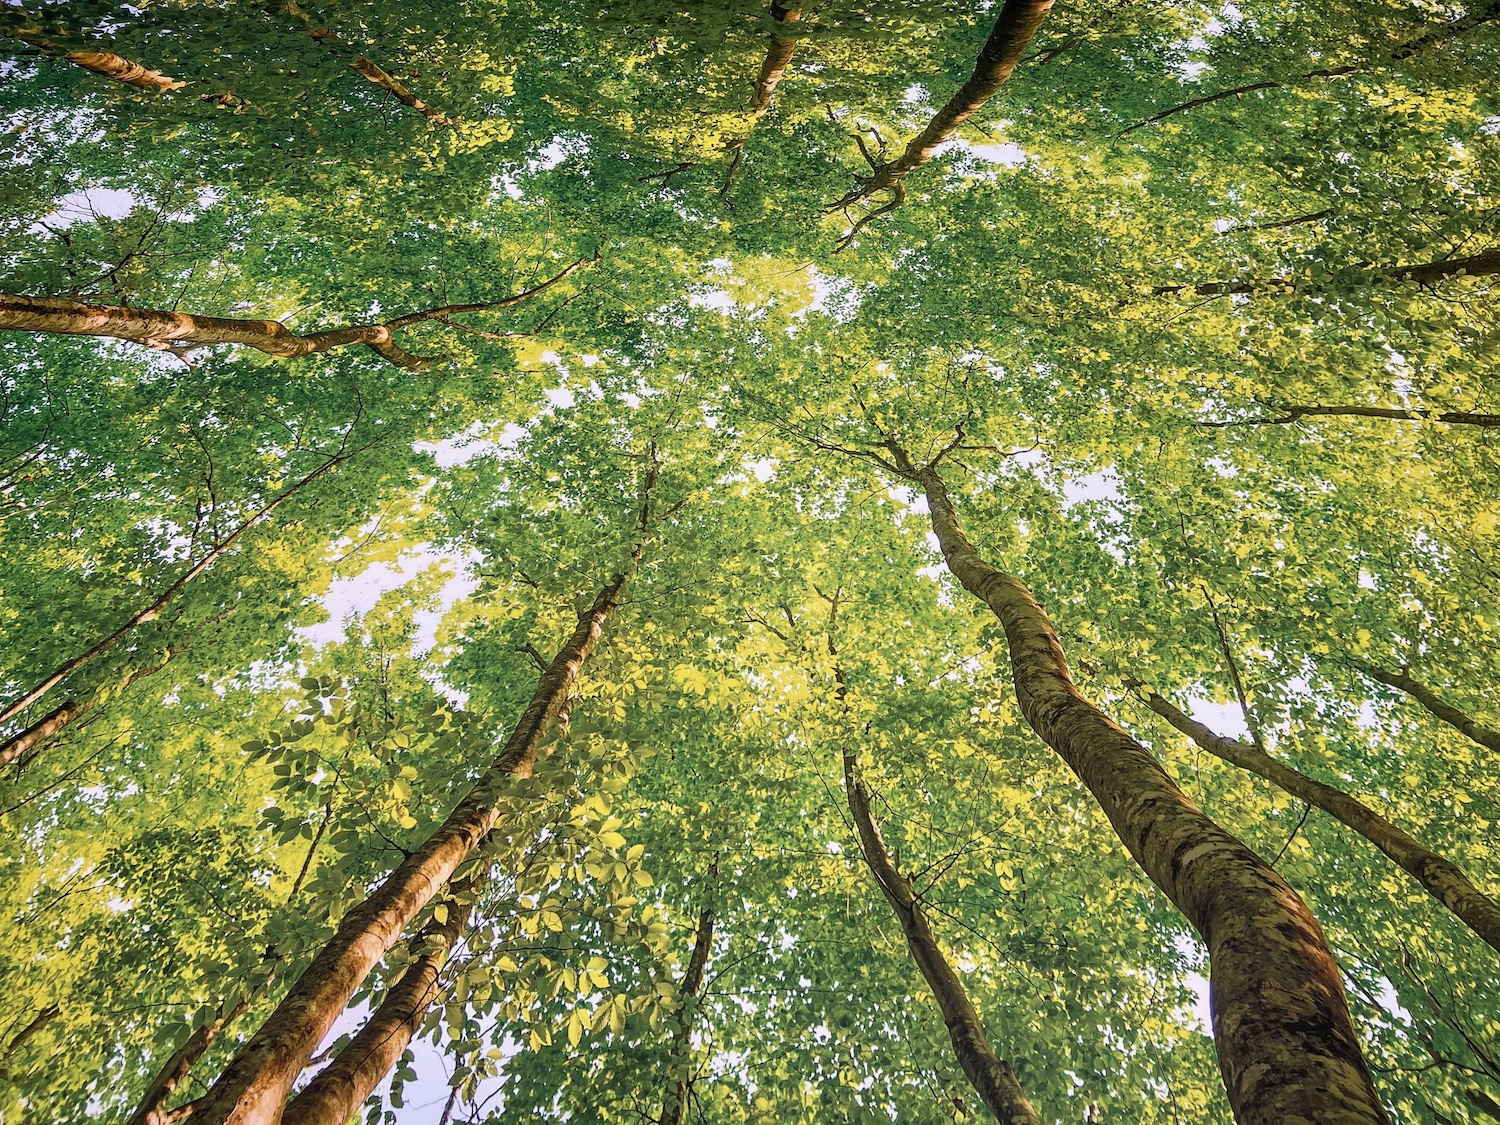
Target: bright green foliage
195 838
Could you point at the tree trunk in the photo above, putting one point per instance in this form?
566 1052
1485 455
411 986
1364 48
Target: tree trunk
152 1108
122 70
1439 877
1484 736
154 610
674 1105
176 331
1287 1047
47 727
778 58
253 1088
340 1088
991 1076
1013 32
1482 264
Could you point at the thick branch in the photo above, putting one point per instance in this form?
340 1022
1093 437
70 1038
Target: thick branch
1297 413
1482 264
1466 725
121 69
1444 880
152 1108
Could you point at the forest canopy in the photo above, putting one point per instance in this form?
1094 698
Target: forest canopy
750 562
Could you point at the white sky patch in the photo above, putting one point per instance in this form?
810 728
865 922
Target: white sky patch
349 599
1221 718
1006 153
762 469
472 443
560 396
1104 485
716 299
89 205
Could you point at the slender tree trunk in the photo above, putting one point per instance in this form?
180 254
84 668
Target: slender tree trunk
1471 729
177 331
991 1076
37 1024
1482 264
60 717
1439 877
674 1105
152 1108
1297 413
1012 34
253 1088
154 610
778 58
1287 1046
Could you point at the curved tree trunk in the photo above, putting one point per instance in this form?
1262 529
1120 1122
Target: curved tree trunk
1476 732
991 1076
253 1088
1287 1046
1441 878
675 1104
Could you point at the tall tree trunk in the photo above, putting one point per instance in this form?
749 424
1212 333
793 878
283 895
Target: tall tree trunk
778 58
1438 876
340 1088
152 1108
60 717
675 1103
154 610
177 331
1483 264
991 1076
1013 32
121 69
1286 1043
253 1088
1466 725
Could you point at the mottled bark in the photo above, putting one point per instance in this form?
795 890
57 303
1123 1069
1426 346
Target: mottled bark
675 1103
152 1108
1013 32
154 610
340 1088
122 69
1287 1046
991 1076
253 1088
1466 725
178 331
60 717
1438 876
1482 264
1297 413
778 58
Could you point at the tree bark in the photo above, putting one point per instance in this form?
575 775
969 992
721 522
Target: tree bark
122 70
253 1088
778 58
154 610
53 723
991 1076
674 1105
1012 34
176 331
152 1108
1287 1046
1483 264
1438 876
1471 729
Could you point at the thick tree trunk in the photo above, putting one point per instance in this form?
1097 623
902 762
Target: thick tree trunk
1482 264
778 57
991 1076
152 1108
675 1103
1466 725
1439 877
154 610
53 723
122 70
1287 1046
253 1089
177 331
340 1088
